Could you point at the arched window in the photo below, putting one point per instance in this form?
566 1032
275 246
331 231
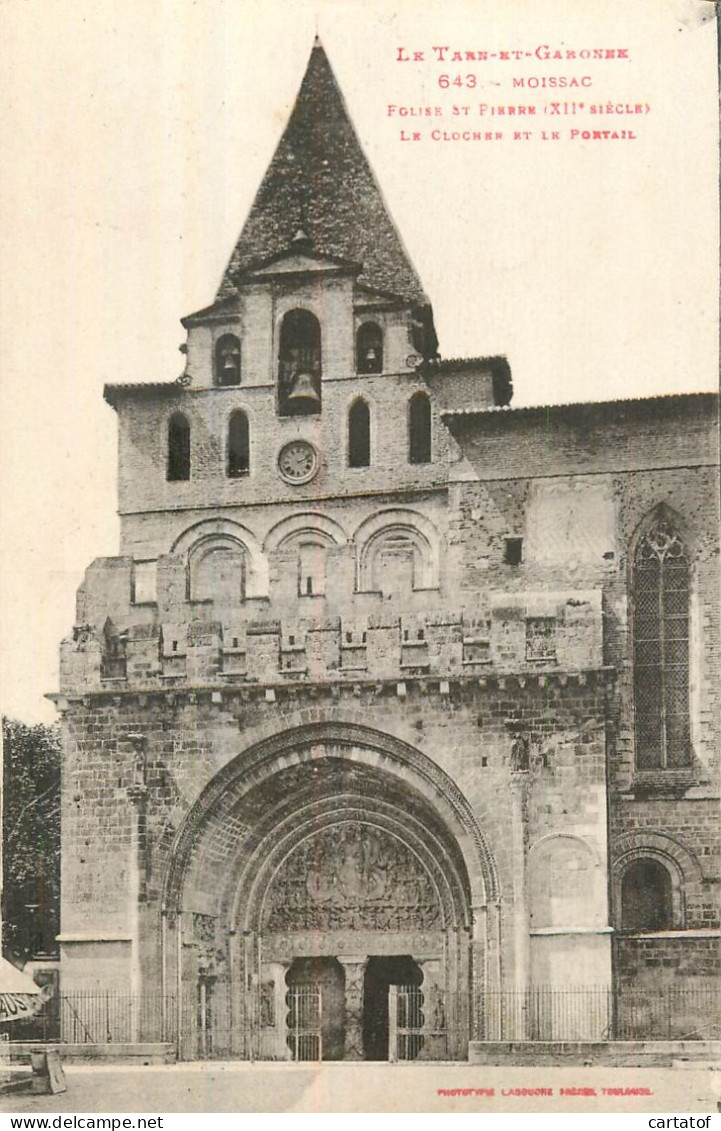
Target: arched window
369 348
359 435
646 899
238 462
419 429
661 649
178 466
227 360
299 364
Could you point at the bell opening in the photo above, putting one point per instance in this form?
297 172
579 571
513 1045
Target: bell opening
299 364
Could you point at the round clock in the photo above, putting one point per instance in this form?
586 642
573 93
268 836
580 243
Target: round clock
298 461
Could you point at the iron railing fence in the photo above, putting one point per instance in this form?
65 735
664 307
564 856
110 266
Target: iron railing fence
544 1013
407 1008
430 1025
598 1013
304 1022
672 1014
99 1017
427 1023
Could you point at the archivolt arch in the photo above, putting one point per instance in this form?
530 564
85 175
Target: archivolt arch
681 866
416 528
217 569
251 892
309 526
202 533
650 842
351 743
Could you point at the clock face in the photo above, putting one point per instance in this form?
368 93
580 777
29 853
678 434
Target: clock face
298 461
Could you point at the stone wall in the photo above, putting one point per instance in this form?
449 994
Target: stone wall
143 423
482 737
503 660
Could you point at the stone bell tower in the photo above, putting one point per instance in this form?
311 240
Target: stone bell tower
335 718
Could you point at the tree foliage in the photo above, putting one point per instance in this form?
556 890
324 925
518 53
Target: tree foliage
31 838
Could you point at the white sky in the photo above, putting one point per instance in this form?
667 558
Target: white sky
135 136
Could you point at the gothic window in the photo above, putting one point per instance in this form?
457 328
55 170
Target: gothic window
661 649
359 435
238 460
419 429
178 465
299 364
227 360
646 899
369 349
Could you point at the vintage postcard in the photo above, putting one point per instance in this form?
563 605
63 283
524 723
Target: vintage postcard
361 521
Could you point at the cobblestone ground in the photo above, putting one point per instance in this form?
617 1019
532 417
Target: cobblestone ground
236 1087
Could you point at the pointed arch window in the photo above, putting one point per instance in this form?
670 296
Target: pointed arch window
661 648
299 364
369 348
238 461
227 360
419 429
359 435
178 462
646 897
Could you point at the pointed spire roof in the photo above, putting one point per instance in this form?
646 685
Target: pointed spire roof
319 182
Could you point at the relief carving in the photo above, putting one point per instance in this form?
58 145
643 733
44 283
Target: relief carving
351 877
354 984
203 928
267 1005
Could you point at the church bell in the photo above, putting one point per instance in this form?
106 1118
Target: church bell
304 391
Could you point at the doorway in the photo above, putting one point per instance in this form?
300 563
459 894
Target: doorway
381 973
316 1005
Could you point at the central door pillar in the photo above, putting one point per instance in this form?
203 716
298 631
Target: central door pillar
354 966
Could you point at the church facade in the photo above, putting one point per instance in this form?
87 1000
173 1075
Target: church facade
399 705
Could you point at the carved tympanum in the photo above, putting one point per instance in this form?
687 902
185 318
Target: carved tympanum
351 876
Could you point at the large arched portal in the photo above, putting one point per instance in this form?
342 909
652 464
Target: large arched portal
322 875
